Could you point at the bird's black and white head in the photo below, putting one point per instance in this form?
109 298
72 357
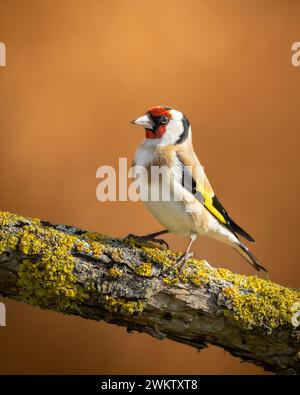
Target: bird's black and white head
164 126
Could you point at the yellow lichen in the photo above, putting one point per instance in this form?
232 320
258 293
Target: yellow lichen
117 255
7 218
29 243
46 273
144 269
256 302
159 256
115 272
251 301
170 280
83 246
123 306
7 242
97 249
88 246
196 272
49 281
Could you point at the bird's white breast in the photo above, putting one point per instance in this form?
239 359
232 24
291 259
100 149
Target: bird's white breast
144 156
173 214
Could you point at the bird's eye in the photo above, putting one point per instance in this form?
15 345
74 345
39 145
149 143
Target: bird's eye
164 119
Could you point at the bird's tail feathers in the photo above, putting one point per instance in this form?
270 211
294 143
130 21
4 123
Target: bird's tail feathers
237 229
247 254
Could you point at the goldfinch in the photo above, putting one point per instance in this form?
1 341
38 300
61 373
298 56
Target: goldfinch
193 210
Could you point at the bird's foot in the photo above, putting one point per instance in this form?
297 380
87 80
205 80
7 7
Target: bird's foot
148 238
182 260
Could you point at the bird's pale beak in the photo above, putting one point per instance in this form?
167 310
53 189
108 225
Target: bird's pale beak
144 121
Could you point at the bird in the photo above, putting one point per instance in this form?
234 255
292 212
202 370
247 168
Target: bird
193 209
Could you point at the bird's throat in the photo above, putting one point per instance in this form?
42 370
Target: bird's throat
156 133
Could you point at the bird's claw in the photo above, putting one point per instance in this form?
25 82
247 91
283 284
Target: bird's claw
181 261
149 239
161 242
179 264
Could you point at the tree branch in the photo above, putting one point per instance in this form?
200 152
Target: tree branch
131 284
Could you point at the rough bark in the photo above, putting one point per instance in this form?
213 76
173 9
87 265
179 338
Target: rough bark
130 284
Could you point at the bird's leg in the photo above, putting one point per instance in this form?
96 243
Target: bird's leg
181 261
151 237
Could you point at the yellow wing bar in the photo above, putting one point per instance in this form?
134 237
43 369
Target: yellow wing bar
208 203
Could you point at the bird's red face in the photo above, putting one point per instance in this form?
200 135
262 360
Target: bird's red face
164 126
155 121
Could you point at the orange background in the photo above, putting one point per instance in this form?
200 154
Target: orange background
77 73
